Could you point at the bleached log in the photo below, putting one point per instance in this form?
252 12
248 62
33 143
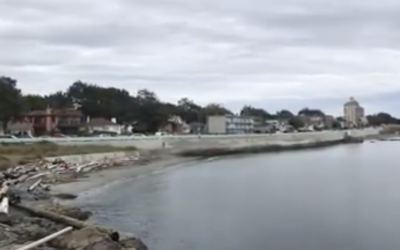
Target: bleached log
4 205
82 166
46 239
62 219
4 188
34 185
38 175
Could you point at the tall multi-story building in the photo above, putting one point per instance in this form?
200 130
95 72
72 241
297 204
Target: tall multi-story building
353 113
230 124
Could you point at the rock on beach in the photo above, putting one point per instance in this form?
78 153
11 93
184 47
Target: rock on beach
30 185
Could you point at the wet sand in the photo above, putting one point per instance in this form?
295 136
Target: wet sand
102 178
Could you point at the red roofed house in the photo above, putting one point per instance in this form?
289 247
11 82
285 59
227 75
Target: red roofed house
48 121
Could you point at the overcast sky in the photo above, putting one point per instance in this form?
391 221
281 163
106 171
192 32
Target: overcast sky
270 53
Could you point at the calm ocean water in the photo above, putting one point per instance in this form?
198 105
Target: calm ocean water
340 198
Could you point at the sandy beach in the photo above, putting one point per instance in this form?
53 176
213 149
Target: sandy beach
99 179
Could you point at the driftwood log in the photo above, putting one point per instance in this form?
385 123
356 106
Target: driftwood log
19 175
58 218
4 202
4 189
65 220
51 216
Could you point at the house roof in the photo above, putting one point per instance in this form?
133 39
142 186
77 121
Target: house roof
100 122
175 119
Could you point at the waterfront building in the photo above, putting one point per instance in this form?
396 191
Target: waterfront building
353 113
66 121
313 121
175 125
230 124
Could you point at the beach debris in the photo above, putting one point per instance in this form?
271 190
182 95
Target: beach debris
58 169
33 181
25 189
50 237
4 197
4 204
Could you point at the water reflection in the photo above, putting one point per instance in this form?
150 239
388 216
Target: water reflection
339 198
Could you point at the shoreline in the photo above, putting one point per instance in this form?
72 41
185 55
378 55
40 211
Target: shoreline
106 177
103 178
158 161
97 180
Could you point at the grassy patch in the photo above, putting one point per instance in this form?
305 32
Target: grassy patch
13 154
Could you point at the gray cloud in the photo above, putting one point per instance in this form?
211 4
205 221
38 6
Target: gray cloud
270 53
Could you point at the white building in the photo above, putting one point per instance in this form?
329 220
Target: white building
103 125
353 113
230 124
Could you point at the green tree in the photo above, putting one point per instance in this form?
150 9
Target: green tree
146 96
59 100
152 114
215 109
33 102
189 111
382 118
284 114
96 101
296 122
311 112
10 100
248 110
336 124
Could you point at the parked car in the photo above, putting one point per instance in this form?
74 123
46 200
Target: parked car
8 137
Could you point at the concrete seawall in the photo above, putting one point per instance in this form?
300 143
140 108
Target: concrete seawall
203 141
265 148
254 140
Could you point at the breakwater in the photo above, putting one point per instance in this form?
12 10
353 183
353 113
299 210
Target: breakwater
268 148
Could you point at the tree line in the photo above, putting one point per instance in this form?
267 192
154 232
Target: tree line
145 109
